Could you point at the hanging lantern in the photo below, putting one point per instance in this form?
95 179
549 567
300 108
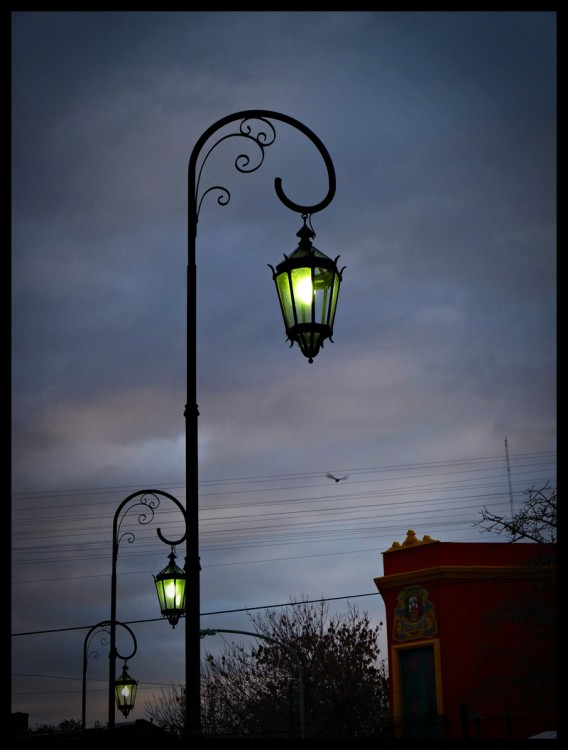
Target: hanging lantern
170 587
307 282
125 691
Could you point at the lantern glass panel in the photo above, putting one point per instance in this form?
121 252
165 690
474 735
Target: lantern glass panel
303 287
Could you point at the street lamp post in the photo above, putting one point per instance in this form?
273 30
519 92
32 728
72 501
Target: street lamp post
103 628
307 283
170 583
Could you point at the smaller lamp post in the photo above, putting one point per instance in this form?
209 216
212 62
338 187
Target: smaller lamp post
170 587
104 629
122 692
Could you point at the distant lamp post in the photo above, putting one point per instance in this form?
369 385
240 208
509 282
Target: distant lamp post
170 587
103 629
125 691
122 692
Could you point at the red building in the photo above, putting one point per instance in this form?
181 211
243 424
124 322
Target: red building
471 634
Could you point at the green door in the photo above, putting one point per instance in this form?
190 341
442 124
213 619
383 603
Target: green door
418 687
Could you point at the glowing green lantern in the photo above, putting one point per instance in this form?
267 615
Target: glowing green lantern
125 691
170 587
307 282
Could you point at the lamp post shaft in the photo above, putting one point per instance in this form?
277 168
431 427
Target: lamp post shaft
192 724
112 650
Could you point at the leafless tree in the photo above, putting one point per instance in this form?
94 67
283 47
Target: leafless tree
536 521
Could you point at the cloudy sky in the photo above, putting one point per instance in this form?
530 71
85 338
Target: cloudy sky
437 396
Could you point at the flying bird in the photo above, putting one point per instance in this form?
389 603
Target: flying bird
336 479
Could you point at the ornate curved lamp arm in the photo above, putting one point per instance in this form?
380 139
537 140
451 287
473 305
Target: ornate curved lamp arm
262 137
149 500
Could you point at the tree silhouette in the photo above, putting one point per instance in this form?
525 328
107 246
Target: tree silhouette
253 691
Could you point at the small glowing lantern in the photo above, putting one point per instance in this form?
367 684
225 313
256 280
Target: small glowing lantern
307 282
125 691
170 587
